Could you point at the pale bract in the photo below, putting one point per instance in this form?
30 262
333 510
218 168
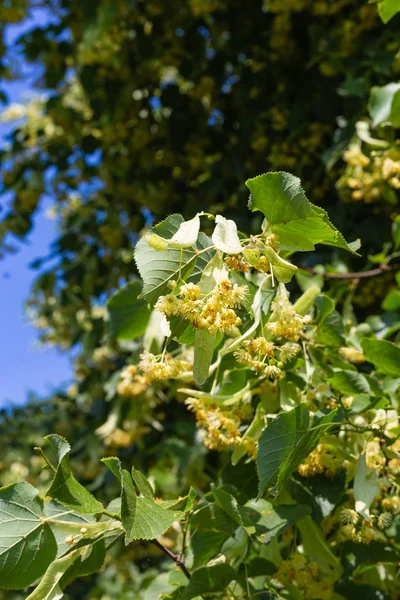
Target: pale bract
225 236
187 234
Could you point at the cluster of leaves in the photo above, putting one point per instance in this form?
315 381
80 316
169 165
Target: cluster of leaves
303 402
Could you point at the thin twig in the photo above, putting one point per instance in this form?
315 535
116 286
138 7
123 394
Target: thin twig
179 559
358 275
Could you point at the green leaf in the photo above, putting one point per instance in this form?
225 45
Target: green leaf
49 587
228 504
142 484
65 523
387 9
204 343
142 517
211 516
350 382
64 487
209 579
383 105
285 444
152 520
365 487
225 236
129 509
157 269
270 520
316 548
298 223
331 330
128 315
282 269
27 544
383 354
88 563
205 545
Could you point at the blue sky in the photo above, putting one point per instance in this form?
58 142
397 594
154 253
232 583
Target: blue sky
24 366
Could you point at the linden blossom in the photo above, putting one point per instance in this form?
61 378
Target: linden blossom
214 311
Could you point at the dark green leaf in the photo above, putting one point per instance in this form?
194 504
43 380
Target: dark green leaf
286 443
128 315
209 579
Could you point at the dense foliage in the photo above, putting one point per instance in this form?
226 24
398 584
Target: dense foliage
212 377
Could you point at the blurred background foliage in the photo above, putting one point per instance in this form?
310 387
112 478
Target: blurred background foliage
154 107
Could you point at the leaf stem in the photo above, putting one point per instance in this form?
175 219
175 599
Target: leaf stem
178 559
38 450
111 515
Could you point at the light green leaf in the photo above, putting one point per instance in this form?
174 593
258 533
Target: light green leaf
142 517
383 354
316 548
350 382
157 269
270 520
387 9
187 234
152 520
307 300
64 487
225 236
204 343
27 544
383 105
49 588
365 487
285 444
128 316
282 269
209 579
289 214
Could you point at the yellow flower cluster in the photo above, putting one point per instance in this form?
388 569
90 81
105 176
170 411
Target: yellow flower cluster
214 311
132 383
326 458
161 367
307 576
360 530
370 178
221 428
119 438
391 503
254 354
352 355
374 456
235 262
284 321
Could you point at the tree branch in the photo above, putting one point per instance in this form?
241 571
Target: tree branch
381 270
179 559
